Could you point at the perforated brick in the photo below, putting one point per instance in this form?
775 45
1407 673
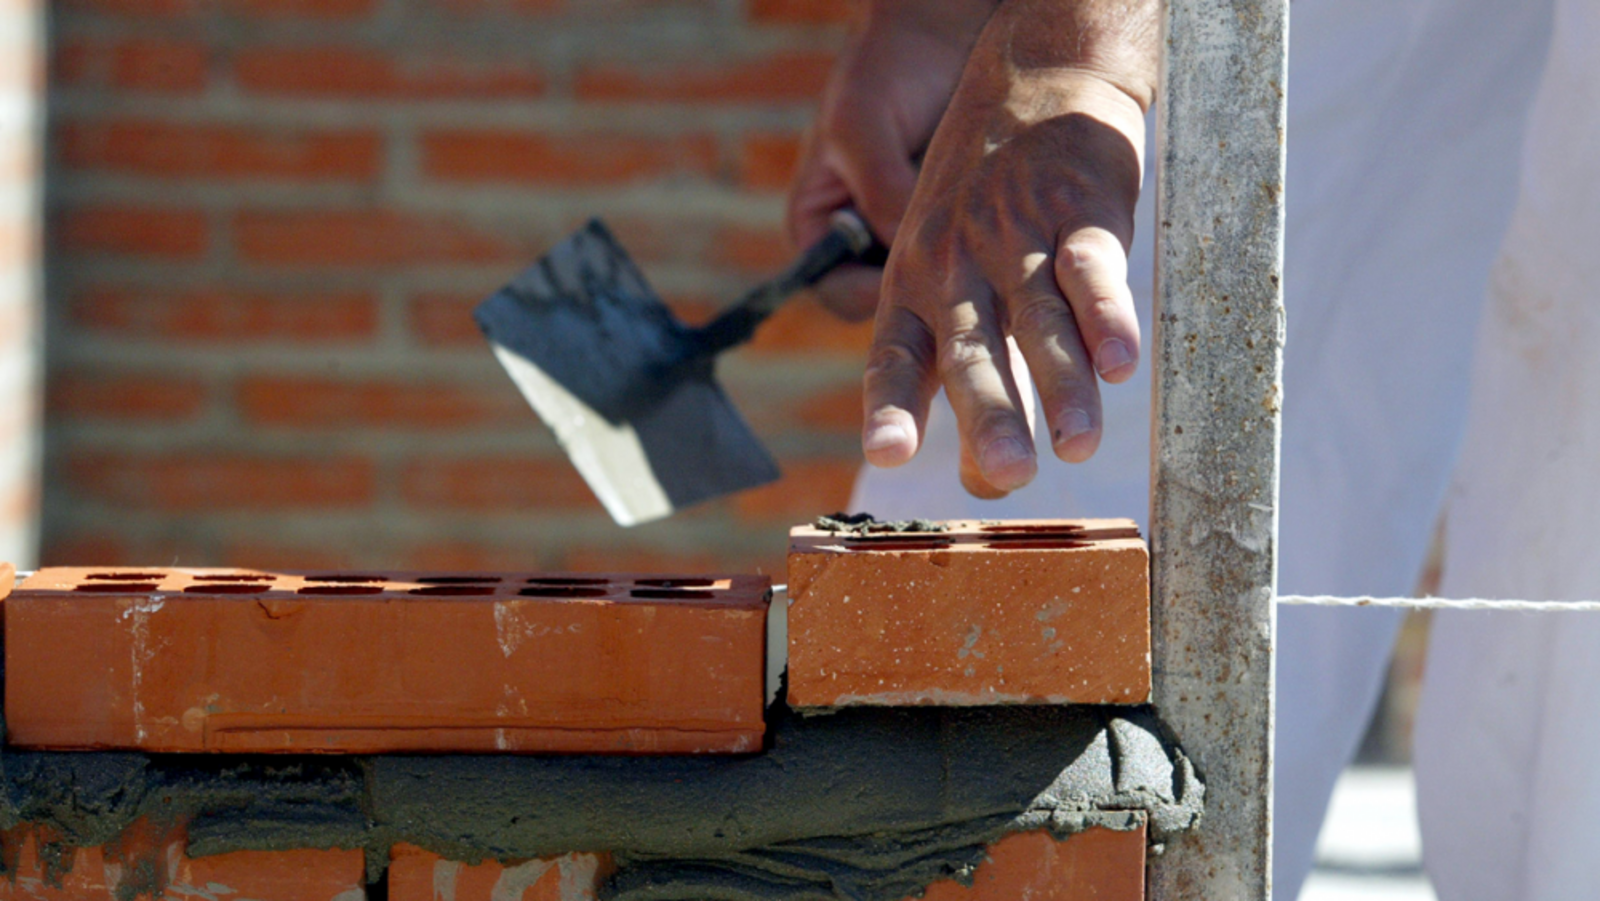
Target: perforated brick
237 660
1026 611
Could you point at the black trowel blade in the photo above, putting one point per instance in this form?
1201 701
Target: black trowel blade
585 340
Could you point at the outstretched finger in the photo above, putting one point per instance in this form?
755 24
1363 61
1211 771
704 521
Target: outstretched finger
898 385
1046 331
1091 269
975 367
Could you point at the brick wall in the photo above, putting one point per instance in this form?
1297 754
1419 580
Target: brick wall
21 74
269 220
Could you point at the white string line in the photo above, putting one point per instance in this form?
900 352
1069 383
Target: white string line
1324 600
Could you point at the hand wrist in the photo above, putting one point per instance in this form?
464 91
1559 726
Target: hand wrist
1037 41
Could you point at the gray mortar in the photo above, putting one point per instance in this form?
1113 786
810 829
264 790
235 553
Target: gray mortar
867 524
869 804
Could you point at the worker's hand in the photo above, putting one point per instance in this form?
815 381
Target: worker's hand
1019 228
881 105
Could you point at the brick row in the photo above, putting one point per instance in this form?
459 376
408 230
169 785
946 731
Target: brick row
169 660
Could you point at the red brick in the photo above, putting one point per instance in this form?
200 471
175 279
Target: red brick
419 875
180 150
592 159
803 12
308 9
362 238
225 314
807 488
157 65
445 320
837 410
776 78
167 660
160 234
767 161
101 873
333 403
133 396
1097 864
162 9
190 481
803 328
504 483
164 66
515 7
357 73
760 251
1025 611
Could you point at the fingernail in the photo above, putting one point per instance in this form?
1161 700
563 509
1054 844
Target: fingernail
885 436
1072 424
1002 454
1111 356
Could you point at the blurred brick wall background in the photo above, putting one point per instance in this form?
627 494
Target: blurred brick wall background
21 81
269 220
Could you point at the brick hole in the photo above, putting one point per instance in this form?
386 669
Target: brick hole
1041 535
576 580
454 590
123 577
923 544
344 578
226 588
564 591
1041 544
341 589
676 583
254 578
135 587
673 594
458 580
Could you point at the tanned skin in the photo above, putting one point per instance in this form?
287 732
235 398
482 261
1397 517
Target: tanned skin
1013 243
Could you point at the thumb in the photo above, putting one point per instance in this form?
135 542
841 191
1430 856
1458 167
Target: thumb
878 174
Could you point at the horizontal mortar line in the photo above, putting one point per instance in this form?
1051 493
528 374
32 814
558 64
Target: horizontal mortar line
229 437
77 271
553 115
1432 603
77 268
222 193
76 349
713 201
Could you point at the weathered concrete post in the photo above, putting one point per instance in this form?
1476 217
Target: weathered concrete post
1215 426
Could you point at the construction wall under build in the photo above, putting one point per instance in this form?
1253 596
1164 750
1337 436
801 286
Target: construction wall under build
271 218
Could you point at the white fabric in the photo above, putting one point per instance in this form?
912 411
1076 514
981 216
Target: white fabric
1508 792
1405 119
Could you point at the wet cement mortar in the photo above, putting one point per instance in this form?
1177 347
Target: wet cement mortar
864 804
867 524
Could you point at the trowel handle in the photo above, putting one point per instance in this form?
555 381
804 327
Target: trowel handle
848 240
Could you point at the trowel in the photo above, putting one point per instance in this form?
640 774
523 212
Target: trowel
629 390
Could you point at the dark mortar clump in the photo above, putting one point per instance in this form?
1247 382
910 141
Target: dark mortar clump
868 804
867 524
